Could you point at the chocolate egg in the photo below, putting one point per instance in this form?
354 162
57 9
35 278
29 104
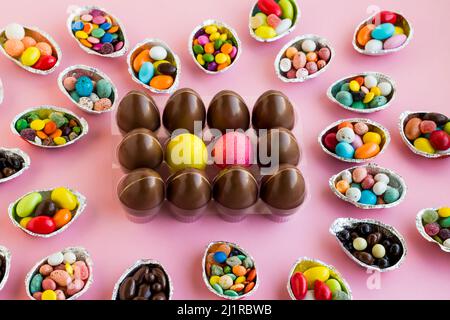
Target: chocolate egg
278 146
285 189
227 110
273 109
141 189
235 188
183 109
189 189
137 110
140 148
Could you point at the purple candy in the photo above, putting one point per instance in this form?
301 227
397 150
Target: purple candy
199 33
97 47
216 52
444 234
107 48
96 13
28 134
119 45
202 40
233 52
357 142
212 66
432 229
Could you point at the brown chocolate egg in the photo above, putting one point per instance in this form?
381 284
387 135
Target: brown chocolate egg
183 109
285 189
141 190
137 110
189 189
278 146
140 148
228 110
235 188
273 109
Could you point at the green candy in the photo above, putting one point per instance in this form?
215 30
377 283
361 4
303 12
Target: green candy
334 285
358 105
58 119
232 276
227 269
345 87
217 288
445 223
114 36
430 216
391 195
230 293
241 257
377 102
218 44
32 116
36 283
27 204
248 263
447 127
77 130
437 239
75 96
287 9
104 88
356 185
198 49
216 270
340 295
208 57
98 33
21 124
345 98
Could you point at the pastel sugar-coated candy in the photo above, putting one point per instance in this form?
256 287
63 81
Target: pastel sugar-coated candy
272 18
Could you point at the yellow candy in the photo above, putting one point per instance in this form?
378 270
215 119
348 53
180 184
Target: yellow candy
399 30
240 279
37 125
81 34
228 59
316 273
265 32
221 58
64 198
214 279
369 97
30 56
354 86
200 59
372 137
214 36
424 145
59 141
444 212
376 91
23 222
223 37
69 269
211 29
186 151
48 295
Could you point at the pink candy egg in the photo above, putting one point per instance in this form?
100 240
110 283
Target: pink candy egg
359 174
69 83
48 284
233 148
368 182
357 142
360 128
395 41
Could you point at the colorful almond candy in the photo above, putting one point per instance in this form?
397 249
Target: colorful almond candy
97 31
436 224
383 33
354 141
314 280
42 213
30 48
272 19
64 275
215 47
228 271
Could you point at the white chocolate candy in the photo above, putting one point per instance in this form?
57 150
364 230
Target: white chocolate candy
308 46
379 188
353 194
370 82
385 88
381 177
345 135
360 244
284 26
285 65
69 257
347 175
55 259
14 31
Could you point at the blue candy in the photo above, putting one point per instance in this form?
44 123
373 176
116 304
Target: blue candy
345 150
77 26
368 197
220 257
391 195
106 26
84 86
383 31
146 72
107 38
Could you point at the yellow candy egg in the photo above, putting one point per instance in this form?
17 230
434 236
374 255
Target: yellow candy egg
265 32
24 221
59 141
81 34
221 58
316 273
48 295
372 137
30 56
214 36
376 91
398 30
240 279
200 59
444 212
37 124
369 97
424 145
354 86
223 37
186 151
214 279
64 198
211 29
69 269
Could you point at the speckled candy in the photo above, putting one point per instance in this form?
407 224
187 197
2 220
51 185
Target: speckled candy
432 229
84 86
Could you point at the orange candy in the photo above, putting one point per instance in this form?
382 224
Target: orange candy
223 247
249 287
311 57
364 35
345 124
41 135
14 48
141 58
195 42
367 150
342 186
50 127
239 271
161 82
62 217
56 134
251 275
28 42
44 48
88 27
222 66
291 52
86 43
360 81
113 29
227 48
209 47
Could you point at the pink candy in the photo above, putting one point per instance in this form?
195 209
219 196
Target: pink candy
427 126
202 40
432 229
359 174
368 182
273 21
299 60
99 20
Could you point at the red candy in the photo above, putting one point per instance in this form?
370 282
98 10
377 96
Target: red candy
45 63
385 17
330 141
299 285
321 291
440 140
427 126
41 225
269 7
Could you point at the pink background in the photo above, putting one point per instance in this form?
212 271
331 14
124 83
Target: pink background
421 72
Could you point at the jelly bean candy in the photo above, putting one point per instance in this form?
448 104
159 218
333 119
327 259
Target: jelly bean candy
299 285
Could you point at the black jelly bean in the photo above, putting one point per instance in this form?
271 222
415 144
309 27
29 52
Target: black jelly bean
365 229
394 250
344 235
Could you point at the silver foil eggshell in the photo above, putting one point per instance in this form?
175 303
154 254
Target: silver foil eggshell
26 163
219 24
38 35
305 263
171 57
205 276
135 266
83 124
395 181
82 202
341 223
406 25
381 77
404 118
297 14
82 255
6 254
385 138
420 227
96 75
296 42
76 11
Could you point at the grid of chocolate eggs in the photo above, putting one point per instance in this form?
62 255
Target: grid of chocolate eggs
233 181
